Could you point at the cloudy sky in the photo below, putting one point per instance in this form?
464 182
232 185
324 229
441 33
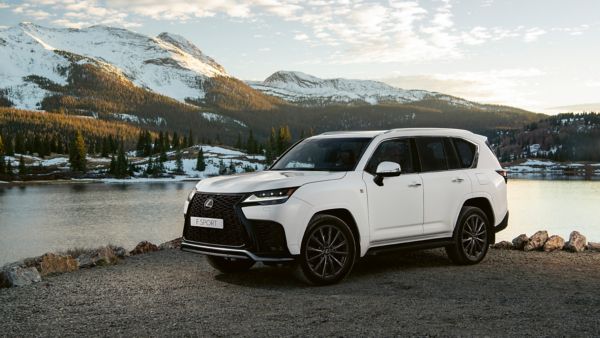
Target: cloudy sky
533 54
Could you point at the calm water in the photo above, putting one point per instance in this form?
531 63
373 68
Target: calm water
38 219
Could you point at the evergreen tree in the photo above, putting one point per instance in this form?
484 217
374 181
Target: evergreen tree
149 167
175 142
238 144
1 146
9 170
77 153
141 144
19 144
147 143
200 166
251 143
22 167
105 147
190 139
178 163
232 167
2 165
222 168
120 166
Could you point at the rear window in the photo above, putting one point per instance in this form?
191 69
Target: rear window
432 154
466 152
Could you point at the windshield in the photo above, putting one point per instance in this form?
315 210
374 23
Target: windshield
323 154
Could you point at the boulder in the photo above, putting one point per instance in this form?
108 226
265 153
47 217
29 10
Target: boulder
172 244
537 241
53 263
554 243
19 276
119 251
504 245
100 256
143 247
576 242
593 246
520 241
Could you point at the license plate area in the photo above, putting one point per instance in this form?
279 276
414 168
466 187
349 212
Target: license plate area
205 222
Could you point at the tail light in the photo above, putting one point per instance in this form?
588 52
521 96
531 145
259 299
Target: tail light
503 173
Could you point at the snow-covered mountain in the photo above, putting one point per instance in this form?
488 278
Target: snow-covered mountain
167 64
310 90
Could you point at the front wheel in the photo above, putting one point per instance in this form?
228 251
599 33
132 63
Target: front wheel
229 265
471 237
328 250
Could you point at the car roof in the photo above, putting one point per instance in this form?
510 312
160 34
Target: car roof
401 132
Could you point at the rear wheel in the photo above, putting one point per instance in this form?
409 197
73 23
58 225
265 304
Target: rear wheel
229 265
471 237
328 250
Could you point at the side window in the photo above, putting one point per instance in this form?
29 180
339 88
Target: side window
394 151
431 153
466 152
453 162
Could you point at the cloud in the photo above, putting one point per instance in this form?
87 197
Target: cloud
3 5
301 37
504 86
533 34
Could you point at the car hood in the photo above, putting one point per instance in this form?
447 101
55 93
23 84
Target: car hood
264 180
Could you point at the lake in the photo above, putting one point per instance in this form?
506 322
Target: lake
35 219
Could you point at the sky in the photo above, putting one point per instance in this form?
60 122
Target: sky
533 54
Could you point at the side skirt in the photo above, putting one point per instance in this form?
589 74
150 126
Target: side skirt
428 244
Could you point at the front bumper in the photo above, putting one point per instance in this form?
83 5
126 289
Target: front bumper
257 238
211 250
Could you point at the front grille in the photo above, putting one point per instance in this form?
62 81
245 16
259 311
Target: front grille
233 232
270 237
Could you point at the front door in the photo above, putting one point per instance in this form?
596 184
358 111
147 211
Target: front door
396 208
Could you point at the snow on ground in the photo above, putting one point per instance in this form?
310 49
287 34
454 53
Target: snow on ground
531 162
221 118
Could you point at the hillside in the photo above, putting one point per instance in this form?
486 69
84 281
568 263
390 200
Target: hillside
563 137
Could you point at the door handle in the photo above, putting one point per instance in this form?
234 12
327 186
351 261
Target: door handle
415 184
458 179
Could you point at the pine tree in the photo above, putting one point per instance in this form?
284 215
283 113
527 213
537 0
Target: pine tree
178 162
175 142
120 166
2 165
105 147
149 167
9 170
20 144
77 153
1 146
232 167
200 166
190 139
238 144
22 167
141 144
251 143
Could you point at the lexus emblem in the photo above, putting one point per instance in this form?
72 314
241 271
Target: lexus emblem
209 203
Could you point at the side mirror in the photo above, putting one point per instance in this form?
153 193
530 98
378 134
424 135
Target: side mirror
386 169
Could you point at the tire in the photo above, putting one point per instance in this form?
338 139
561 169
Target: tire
328 251
470 237
230 265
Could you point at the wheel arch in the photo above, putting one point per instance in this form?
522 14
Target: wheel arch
485 205
346 216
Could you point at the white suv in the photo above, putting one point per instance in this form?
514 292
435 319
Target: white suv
338 196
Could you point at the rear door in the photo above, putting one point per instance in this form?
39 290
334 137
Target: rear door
445 184
396 208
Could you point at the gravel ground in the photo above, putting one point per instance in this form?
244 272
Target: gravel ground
174 293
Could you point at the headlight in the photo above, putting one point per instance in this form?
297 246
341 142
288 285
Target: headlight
267 197
191 195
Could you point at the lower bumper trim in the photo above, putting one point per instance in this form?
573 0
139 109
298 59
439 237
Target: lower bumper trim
227 252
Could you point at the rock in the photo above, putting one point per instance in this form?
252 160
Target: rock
504 245
537 241
520 241
19 276
119 251
576 242
554 243
52 263
101 256
172 244
593 246
143 247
